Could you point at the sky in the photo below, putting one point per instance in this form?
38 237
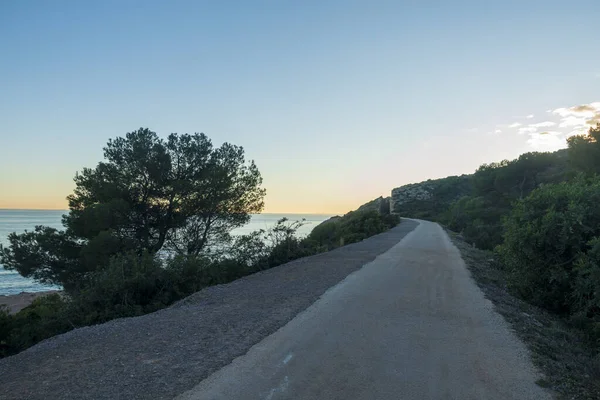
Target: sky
337 102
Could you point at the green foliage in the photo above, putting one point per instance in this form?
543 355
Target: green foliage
352 227
444 192
476 204
150 225
551 245
180 194
479 220
46 254
510 180
266 249
586 287
135 283
584 151
45 317
496 187
542 214
130 285
380 204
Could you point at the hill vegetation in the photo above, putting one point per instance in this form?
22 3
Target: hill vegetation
151 225
540 213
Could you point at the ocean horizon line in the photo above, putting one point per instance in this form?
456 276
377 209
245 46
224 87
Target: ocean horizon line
264 213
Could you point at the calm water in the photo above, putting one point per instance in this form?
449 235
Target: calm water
21 220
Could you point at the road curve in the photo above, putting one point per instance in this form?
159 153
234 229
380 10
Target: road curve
412 324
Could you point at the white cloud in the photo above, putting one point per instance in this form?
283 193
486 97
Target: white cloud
572 121
545 124
547 141
581 111
528 129
579 118
565 122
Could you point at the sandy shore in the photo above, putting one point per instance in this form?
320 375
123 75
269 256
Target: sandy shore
16 302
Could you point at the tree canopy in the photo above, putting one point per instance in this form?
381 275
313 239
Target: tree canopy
584 151
180 194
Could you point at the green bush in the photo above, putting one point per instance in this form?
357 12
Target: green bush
550 246
352 227
134 284
478 219
130 285
185 275
586 287
47 316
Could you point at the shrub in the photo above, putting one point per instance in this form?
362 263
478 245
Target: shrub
352 227
586 287
326 233
550 245
46 317
130 285
185 275
134 284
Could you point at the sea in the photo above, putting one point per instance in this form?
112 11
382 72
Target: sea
21 220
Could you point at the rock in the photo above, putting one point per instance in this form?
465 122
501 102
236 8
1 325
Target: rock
423 196
414 191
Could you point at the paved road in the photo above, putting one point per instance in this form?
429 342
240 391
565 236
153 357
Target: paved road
410 325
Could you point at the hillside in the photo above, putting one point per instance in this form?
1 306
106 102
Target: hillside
430 198
476 204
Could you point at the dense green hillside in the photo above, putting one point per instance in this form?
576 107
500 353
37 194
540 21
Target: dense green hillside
476 204
430 199
541 215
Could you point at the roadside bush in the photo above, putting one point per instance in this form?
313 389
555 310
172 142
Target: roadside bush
130 285
551 246
327 233
184 275
479 221
352 227
134 284
586 290
6 328
46 317
289 250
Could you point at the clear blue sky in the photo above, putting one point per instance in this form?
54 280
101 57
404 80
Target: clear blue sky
336 101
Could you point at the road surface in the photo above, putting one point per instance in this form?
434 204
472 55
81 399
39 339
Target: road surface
412 324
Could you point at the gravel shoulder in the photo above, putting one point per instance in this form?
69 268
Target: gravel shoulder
568 360
163 354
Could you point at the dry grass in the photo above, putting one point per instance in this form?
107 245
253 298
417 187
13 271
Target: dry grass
564 354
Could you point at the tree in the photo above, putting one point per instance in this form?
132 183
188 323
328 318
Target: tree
217 202
180 194
584 151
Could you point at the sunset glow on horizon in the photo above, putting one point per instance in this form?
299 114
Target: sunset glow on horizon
337 103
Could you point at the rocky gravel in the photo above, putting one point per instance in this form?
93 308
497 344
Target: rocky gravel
163 354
